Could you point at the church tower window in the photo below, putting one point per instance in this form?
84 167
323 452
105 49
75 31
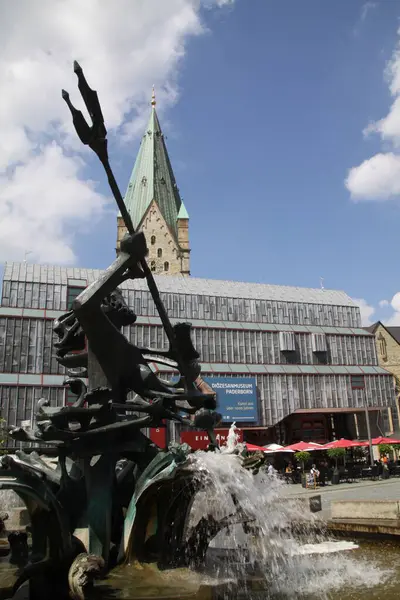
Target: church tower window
382 347
159 252
153 240
166 266
153 265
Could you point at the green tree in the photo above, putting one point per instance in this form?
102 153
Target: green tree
302 457
385 449
337 453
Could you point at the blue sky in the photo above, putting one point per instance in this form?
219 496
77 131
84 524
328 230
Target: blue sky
265 114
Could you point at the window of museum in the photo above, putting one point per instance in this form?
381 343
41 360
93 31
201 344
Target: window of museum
153 240
73 292
153 265
382 347
319 342
287 342
395 416
386 417
159 252
166 266
70 397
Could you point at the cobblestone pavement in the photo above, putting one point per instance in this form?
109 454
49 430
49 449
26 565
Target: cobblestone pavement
364 490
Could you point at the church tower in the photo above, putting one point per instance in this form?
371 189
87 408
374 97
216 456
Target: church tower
155 206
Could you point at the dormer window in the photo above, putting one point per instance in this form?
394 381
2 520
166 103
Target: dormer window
144 180
162 180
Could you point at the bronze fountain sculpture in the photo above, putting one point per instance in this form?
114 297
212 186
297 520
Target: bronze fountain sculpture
114 495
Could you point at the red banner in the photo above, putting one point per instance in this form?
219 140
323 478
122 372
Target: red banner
158 436
199 440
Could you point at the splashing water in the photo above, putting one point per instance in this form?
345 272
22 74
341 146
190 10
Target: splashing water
306 564
231 441
9 500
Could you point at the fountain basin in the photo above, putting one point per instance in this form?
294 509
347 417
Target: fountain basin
376 510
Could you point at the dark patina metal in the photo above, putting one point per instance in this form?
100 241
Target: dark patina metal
114 494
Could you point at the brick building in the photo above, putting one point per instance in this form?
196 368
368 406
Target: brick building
387 341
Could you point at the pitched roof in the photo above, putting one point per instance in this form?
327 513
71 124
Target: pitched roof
394 331
178 284
372 328
152 178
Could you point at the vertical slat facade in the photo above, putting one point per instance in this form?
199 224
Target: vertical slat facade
231 333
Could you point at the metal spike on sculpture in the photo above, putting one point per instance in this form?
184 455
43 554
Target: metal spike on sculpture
95 509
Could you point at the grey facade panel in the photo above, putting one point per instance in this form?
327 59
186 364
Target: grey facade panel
287 341
238 330
17 402
187 297
319 342
184 285
27 346
280 394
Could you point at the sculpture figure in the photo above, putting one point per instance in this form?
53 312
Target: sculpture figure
114 495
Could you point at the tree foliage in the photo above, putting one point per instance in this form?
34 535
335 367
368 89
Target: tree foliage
337 453
385 449
302 457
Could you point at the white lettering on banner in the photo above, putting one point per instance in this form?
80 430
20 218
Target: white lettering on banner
204 438
241 386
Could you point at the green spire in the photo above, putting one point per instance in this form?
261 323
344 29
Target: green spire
153 179
183 213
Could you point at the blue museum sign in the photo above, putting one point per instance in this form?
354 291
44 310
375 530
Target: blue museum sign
237 398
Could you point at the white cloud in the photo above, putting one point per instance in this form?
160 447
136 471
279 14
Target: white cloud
394 319
367 311
389 126
378 178
61 199
383 303
366 8
124 48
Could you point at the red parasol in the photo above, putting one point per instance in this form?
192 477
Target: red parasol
304 447
254 448
343 444
384 440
